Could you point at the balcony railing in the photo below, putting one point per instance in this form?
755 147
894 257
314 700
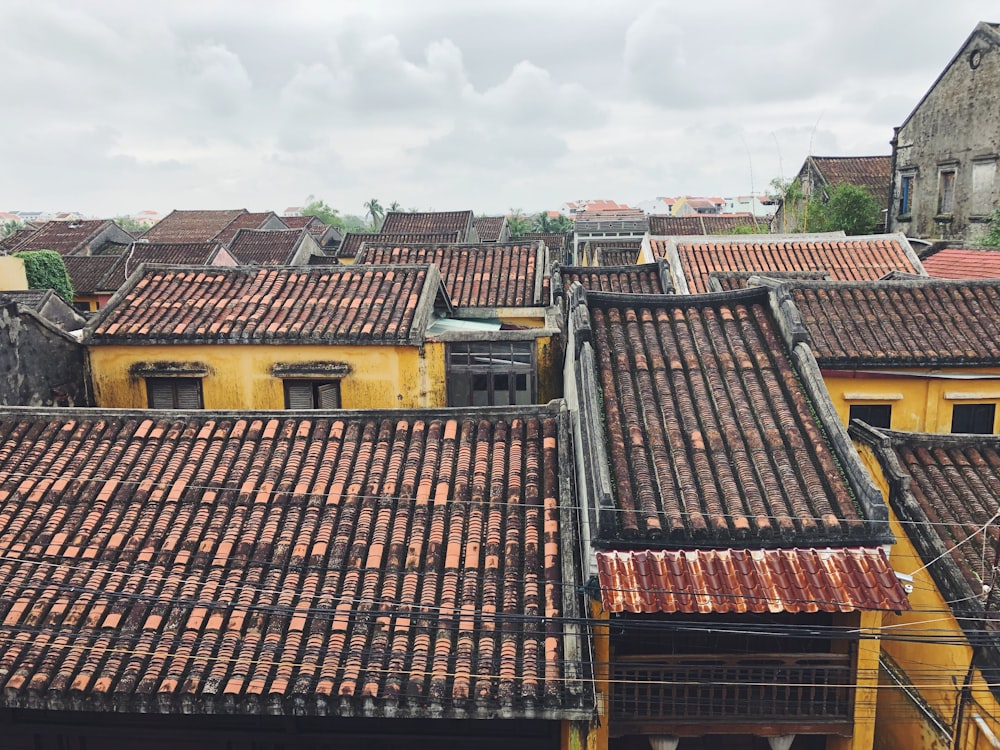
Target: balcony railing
744 689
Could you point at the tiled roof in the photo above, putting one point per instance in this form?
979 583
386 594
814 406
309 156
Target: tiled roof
191 226
555 241
945 489
31 299
712 438
870 172
916 323
964 263
248 304
353 241
86 271
711 224
844 258
172 253
758 581
644 279
243 221
405 222
64 237
617 256
15 238
342 563
727 281
261 247
489 227
631 220
490 275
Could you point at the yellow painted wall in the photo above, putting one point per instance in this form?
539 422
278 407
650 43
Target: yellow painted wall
12 275
239 376
919 404
597 737
866 694
935 657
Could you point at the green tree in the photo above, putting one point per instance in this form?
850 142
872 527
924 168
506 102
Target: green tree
356 224
517 222
849 208
130 225
319 208
992 236
394 206
45 269
9 227
376 212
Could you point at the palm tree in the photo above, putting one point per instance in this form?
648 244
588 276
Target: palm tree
375 211
394 206
517 222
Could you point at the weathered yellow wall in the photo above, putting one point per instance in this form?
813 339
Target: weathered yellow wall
866 694
12 276
239 376
934 654
597 737
92 301
919 404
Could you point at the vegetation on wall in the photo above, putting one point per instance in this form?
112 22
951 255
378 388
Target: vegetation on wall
992 236
45 270
845 207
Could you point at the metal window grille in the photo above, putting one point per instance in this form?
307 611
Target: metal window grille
491 373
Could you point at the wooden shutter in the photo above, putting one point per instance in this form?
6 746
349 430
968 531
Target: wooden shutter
328 395
188 393
159 393
298 395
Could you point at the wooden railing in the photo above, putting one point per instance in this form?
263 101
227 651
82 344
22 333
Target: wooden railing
738 689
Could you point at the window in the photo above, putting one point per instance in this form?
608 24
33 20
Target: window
905 194
877 415
973 418
946 191
491 373
174 393
312 394
983 177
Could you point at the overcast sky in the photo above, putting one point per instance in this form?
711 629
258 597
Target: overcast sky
114 106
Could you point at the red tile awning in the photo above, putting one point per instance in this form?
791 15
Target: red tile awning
740 580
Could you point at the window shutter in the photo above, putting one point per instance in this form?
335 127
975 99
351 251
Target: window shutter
160 394
299 395
188 394
328 396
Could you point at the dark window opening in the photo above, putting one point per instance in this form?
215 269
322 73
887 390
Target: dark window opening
491 373
905 193
312 394
174 393
946 198
877 415
975 419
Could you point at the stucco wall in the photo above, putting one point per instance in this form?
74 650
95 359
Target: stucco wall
240 376
919 404
39 365
956 126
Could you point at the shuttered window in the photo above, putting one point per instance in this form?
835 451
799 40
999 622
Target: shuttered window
174 393
312 394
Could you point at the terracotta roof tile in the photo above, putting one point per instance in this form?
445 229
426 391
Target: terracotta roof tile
266 247
214 304
705 224
741 580
844 258
712 438
916 323
86 271
244 221
489 227
408 222
15 238
873 173
617 256
353 241
644 279
385 563
489 275
191 226
173 253
946 491
30 299
964 263
64 237
728 281
555 241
